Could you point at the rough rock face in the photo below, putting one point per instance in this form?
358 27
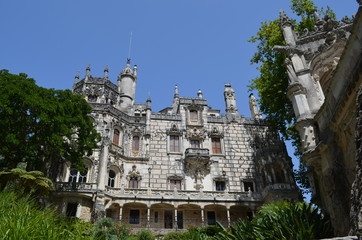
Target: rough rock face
356 211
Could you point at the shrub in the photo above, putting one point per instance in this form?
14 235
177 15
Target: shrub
22 218
107 229
145 235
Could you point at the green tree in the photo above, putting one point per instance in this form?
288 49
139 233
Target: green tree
272 82
42 127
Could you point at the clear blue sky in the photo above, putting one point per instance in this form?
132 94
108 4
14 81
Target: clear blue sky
192 43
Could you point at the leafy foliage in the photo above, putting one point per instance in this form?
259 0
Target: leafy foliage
281 221
107 229
42 127
24 182
21 218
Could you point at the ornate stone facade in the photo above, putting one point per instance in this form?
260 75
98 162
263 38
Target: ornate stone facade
324 69
187 165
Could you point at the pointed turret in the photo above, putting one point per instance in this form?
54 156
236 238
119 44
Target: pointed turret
127 86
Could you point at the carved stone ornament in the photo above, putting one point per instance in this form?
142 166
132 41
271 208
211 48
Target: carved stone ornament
93 90
134 174
196 133
174 130
215 133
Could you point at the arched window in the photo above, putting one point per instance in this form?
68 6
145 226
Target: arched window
111 178
136 143
279 174
116 134
76 176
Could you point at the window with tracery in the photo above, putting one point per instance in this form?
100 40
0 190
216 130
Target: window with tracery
111 178
76 176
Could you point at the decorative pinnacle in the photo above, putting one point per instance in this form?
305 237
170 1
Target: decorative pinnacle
284 20
88 68
199 93
149 98
176 91
76 78
106 72
128 62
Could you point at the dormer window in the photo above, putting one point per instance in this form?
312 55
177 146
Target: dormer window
193 116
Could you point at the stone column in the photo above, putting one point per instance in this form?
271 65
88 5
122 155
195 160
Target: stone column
176 225
228 216
202 217
99 210
148 216
102 171
120 213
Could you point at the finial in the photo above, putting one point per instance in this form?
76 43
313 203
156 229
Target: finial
135 70
199 93
76 79
87 71
227 85
128 62
149 98
176 91
284 20
106 72
148 102
318 20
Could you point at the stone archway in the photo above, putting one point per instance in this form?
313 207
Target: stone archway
135 214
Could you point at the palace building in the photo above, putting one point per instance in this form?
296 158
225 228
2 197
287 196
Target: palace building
186 165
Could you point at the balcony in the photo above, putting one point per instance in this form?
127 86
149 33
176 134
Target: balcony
75 187
197 153
185 195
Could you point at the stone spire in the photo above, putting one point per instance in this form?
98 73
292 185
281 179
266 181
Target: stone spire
284 20
87 72
176 92
106 72
230 101
148 102
287 29
254 108
76 80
